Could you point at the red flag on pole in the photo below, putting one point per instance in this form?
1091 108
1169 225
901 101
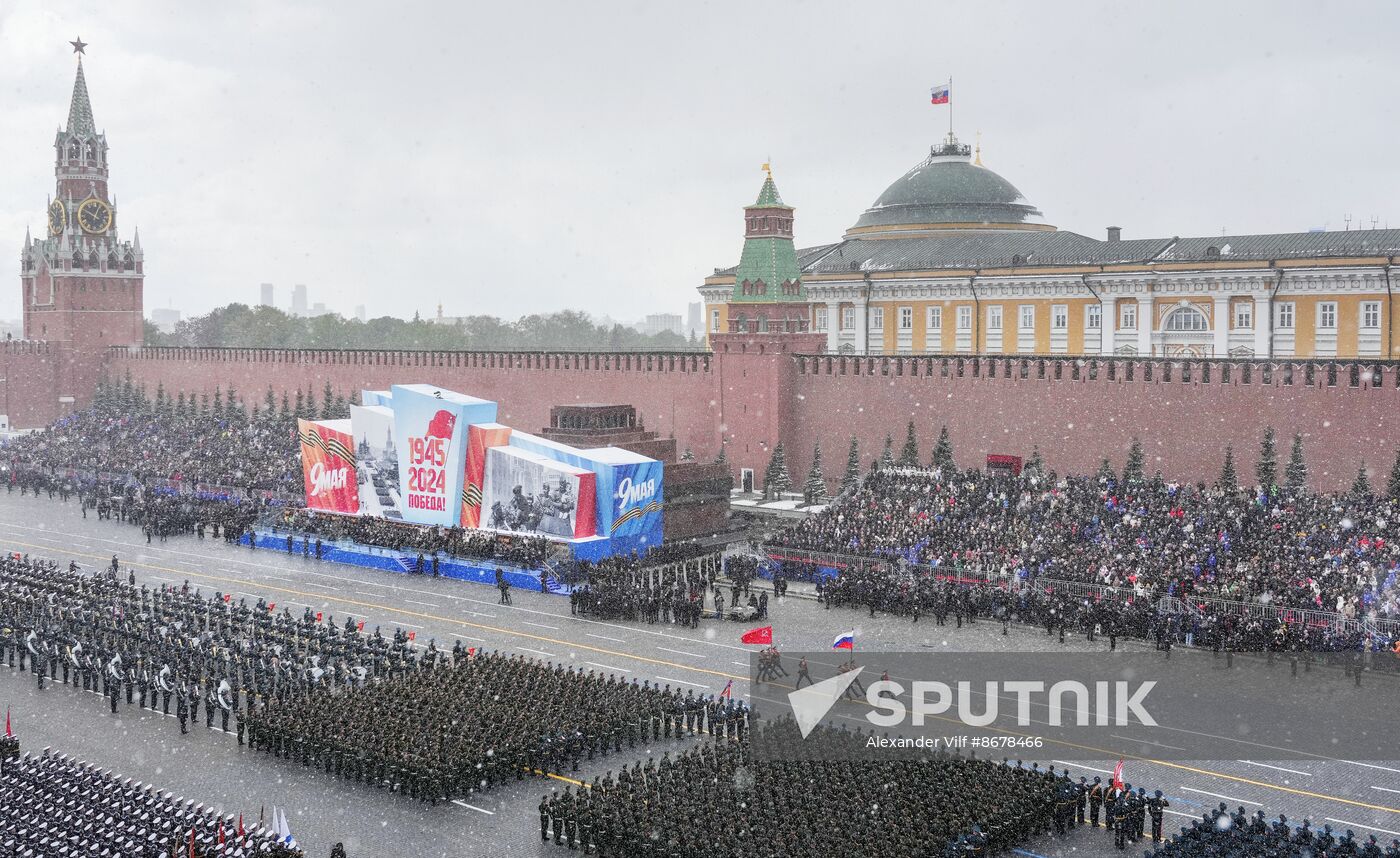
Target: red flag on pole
8 734
272 606
221 835
412 635
318 616
762 635
360 626
240 826
1118 775
228 597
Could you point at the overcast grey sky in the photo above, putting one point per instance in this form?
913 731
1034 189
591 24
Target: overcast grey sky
516 157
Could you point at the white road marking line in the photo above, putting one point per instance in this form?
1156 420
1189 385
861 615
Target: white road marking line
1082 766
322 586
539 625
408 625
1387 789
266 575
740 663
1275 768
1145 742
461 803
249 595
1225 797
371 595
1362 825
540 651
1179 813
604 638
427 604
680 652
682 682
469 638
608 667
1370 766
480 614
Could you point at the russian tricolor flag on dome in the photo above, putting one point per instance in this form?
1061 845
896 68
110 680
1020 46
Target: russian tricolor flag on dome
846 640
941 93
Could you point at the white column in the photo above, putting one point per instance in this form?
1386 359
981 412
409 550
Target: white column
833 325
1108 323
1263 319
862 326
1220 319
1144 320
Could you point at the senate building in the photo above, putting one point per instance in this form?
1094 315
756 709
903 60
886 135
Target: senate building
952 259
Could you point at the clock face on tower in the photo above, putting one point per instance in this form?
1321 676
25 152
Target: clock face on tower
58 217
94 216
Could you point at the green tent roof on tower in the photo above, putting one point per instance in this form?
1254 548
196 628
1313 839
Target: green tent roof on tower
769 259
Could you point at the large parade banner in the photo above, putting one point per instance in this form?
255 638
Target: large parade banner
526 492
425 455
430 429
328 465
377 460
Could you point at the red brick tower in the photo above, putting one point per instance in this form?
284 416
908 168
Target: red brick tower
82 285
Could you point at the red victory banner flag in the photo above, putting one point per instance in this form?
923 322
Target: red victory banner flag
762 635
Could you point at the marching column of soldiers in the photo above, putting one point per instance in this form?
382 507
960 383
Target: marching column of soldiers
833 801
462 724
173 645
51 804
1219 833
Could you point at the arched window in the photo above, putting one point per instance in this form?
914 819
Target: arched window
112 260
1186 319
130 263
77 259
75 150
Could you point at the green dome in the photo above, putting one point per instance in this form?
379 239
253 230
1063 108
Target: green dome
947 190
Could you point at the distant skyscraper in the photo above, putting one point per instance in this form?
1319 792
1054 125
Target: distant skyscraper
266 295
299 299
165 318
695 317
318 309
360 312
656 323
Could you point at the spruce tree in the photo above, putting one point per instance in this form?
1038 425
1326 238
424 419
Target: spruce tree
723 457
1132 469
270 401
310 413
203 403
887 457
342 409
299 409
286 409
1297 472
1361 486
1106 474
815 490
776 479
1228 481
1266 471
231 407
909 456
218 402
1392 488
943 452
180 404
851 480
160 397
327 402
687 455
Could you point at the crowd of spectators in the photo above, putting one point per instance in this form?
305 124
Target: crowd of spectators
527 551
1333 552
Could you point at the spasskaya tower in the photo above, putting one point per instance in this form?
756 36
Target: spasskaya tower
82 284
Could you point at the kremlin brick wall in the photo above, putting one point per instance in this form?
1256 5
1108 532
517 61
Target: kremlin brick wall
754 390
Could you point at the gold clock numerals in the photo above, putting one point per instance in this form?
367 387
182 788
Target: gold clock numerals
58 217
94 216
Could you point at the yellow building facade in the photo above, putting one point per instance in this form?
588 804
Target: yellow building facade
952 259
